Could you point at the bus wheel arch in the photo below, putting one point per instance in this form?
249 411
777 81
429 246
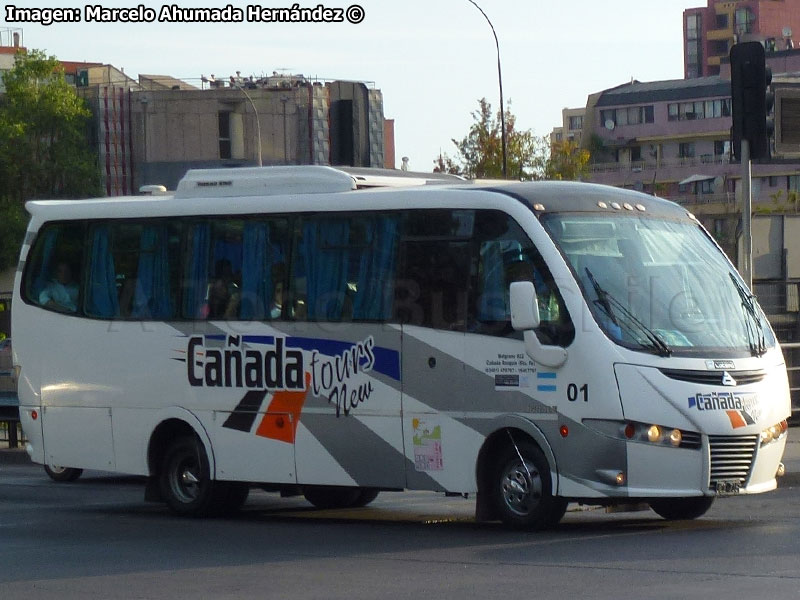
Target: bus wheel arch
515 476
174 423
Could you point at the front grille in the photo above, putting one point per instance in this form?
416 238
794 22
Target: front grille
714 377
731 457
690 439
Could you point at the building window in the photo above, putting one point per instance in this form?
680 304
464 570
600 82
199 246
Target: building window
224 118
631 115
773 181
745 21
691 111
722 148
636 153
722 21
793 183
693 26
576 122
686 150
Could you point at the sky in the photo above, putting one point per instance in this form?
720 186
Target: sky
432 59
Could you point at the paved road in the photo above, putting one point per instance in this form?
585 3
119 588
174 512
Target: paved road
96 538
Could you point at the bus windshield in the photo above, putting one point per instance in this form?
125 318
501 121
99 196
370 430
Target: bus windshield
660 286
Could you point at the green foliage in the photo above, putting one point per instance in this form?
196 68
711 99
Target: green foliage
13 222
44 148
445 164
567 161
779 205
480 151
528 157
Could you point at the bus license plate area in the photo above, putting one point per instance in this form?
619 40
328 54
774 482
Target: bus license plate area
727 487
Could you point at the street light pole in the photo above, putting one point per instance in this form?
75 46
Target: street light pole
258 123
500 82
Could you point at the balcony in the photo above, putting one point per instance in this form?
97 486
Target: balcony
664 163
717 35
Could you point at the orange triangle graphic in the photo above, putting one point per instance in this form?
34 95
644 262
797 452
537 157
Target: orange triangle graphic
736 419
283 414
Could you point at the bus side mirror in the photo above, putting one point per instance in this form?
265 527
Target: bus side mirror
524 306
525 318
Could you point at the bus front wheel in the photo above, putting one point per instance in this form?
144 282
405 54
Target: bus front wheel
522 490
62 474
674 509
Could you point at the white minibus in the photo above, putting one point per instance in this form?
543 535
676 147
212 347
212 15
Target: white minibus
533 344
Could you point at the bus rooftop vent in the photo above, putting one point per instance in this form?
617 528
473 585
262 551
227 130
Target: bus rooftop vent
263 181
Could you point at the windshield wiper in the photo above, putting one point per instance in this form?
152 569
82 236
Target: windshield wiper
610 305
753 325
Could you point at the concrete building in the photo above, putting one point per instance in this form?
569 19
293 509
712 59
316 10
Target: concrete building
152 130
10 44
571 126
710 31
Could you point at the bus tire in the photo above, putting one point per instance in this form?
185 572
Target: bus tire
674 509
333 496
185 480
62 474
522 492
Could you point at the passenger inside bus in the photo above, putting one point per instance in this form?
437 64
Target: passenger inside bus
61 292
223 292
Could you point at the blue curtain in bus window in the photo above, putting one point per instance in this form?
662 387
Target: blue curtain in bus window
492 305
230 251
102 300
326 256
152 298
46 269
194 301
375 285
256 276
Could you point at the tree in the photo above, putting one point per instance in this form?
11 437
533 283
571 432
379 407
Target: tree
480 151
528 156
44 144
567 161
445 164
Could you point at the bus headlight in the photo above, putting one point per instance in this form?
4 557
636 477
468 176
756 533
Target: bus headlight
675 437
774 432
654 433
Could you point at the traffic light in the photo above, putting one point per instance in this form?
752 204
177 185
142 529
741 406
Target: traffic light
751 99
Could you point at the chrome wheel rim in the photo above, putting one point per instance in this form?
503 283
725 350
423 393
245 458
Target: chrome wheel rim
521 486
185 480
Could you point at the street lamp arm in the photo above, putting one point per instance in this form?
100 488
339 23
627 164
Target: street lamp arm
255 111
500 83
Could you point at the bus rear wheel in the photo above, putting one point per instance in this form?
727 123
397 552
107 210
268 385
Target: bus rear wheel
674 509
62 474
186 483
522 490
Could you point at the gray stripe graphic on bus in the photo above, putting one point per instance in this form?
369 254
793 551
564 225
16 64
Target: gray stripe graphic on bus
371 462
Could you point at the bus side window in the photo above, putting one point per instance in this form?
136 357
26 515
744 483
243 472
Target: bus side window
263 273
434 273
131 274
344 268
53 278
503 253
